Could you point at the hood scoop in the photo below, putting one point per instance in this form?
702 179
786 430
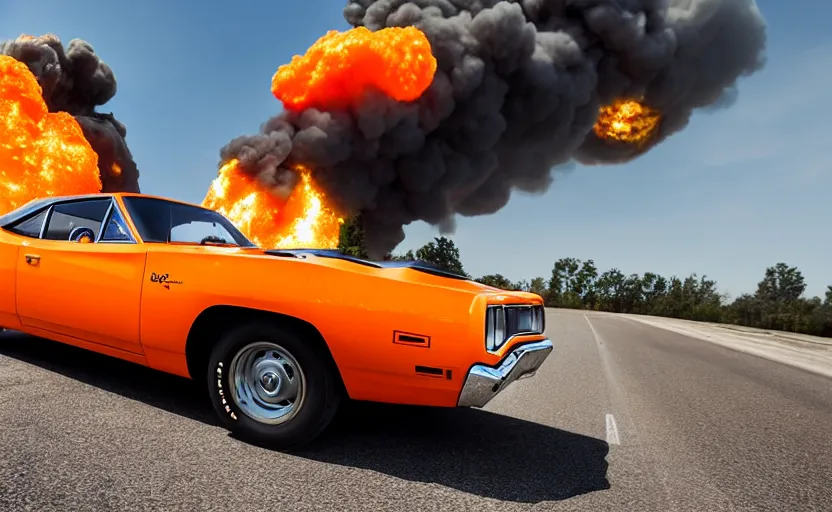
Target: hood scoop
421 266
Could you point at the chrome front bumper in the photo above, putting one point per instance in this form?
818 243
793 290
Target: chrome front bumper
485 382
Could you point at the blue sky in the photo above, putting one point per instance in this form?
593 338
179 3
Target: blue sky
738 190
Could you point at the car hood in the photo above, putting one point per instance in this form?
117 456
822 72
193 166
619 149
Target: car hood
420 272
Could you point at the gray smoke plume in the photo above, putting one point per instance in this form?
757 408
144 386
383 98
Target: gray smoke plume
516 94
76 81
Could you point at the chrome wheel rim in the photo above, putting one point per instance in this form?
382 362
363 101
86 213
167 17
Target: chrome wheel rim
267 383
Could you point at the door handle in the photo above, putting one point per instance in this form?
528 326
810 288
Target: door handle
32 259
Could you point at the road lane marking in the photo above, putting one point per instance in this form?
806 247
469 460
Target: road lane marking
591 328
612 430
612 386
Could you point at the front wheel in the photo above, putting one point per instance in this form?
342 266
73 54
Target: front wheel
272 387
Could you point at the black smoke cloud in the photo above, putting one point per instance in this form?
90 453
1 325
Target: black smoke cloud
517 91
75 80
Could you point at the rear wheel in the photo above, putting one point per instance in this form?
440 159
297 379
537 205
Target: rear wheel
272 387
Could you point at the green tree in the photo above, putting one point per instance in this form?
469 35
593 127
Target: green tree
746 309
584 283
441 252
650 291
408 256
781 284
522 285
608 288
538 286
821 320
630 295
497 281
562 284
706 302
779 293
351 237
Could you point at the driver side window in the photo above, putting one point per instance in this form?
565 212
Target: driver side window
76 220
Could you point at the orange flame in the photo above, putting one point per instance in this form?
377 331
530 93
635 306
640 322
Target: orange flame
340 66
41 153
303 220
627 121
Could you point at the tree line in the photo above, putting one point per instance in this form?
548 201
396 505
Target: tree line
778 303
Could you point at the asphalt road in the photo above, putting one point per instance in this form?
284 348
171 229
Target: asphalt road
622 416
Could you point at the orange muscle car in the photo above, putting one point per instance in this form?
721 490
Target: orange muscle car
280 337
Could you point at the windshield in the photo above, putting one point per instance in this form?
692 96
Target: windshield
161 221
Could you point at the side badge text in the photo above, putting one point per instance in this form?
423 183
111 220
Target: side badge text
163 279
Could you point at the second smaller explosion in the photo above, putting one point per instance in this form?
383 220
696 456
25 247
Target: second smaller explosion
627 121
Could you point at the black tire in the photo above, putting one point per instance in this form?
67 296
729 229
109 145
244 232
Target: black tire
322 393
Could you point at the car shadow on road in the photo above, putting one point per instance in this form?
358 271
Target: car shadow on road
474 451
471 450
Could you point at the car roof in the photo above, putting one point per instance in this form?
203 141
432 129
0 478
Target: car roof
40 203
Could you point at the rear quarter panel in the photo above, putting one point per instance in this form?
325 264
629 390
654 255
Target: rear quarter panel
356 309
9 244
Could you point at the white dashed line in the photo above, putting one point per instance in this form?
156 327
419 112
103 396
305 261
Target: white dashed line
612 430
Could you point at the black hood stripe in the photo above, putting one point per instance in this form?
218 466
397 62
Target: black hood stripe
421 266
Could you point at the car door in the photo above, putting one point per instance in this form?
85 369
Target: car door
83 276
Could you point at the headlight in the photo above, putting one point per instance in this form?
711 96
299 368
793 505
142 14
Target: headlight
495 327
504 322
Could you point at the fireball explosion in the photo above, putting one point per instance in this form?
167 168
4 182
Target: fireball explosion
41 153
51 129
